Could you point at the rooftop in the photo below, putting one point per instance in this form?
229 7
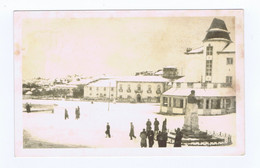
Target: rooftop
218 24
217 31
195 51
104 83
143 79
219 92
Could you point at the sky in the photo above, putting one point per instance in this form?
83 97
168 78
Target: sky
59 46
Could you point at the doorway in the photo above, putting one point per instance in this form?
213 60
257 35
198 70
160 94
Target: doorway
138 98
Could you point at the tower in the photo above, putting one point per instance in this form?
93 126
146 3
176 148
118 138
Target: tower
219 64
214 62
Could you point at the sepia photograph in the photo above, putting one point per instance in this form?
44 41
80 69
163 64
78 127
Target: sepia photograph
130 82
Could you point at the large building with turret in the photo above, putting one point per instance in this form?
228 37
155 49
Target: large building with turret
210 71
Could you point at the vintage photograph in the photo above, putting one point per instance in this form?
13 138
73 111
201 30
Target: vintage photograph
144 80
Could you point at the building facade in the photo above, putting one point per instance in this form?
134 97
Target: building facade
210 72
104 89
135 89
214 61
141 89
213 99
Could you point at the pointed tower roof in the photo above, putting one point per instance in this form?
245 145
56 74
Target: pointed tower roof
217 31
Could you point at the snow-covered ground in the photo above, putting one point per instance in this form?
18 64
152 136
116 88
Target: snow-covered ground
89 130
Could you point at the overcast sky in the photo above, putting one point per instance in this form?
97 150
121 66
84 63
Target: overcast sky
55 47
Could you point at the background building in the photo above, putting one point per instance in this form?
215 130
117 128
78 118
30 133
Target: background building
214 61
210 71
141 88
103 89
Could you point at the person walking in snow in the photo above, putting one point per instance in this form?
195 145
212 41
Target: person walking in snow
66 114
132 134
108 131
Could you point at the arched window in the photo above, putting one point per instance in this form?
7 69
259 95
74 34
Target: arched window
149 89
139 87
128 89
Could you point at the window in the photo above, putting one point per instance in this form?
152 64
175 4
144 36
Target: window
200 103
174 103
178 84
209 50
112 89
90 94
190 85
120 96
215 104
149 99
229 61
204 85
165 101
207 104
208 67
120 88
112 95
105 95
149 89
229 79
215 85
104 89
128 89
90 88
138 87
170 102
179 103
228 103
97 88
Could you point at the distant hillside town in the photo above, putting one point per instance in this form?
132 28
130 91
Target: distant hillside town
210 72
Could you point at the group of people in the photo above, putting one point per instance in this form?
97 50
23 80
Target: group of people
161 136
148 133
77 113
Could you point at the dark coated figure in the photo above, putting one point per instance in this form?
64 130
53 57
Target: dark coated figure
143 136
178 138
132 132
108 131
150 135
66 114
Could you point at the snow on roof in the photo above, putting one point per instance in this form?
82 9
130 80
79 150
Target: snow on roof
64 86
184 79
169 66
81 82
28 93
104 83
196 51
219 92
143 79
217 35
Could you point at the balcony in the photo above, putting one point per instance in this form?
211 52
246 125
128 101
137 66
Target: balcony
138 91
